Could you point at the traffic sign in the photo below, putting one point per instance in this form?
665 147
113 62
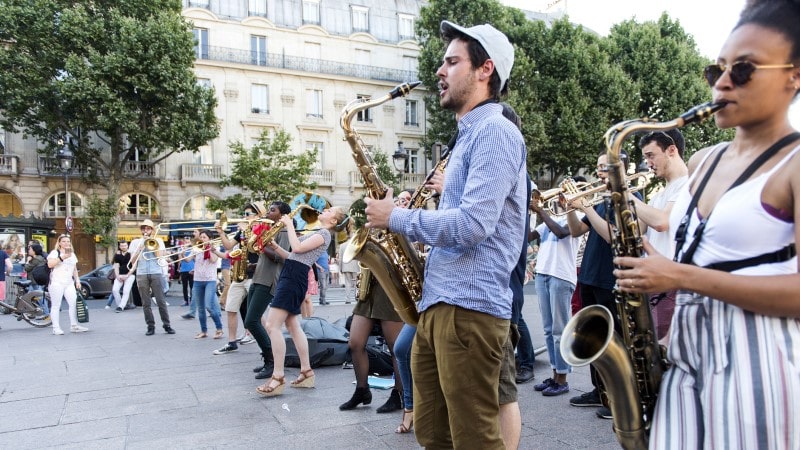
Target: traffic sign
68 224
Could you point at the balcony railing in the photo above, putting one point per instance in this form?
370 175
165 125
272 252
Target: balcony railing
324 177
282 61
52 167
355 180
141 169
412 180
9 165
210 173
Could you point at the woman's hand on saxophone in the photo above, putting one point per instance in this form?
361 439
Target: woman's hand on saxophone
379 210
650 274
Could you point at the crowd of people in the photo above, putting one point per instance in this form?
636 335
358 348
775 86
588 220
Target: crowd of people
725 307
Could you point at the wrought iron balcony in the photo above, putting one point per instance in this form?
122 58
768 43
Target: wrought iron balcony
283 61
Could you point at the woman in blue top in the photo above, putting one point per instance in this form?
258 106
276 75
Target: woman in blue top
289 295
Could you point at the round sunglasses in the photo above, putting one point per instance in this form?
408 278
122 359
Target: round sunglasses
741 71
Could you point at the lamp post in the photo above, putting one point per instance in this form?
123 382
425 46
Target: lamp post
65 159
400 157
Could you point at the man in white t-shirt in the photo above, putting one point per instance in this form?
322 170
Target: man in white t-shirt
556 278
663 152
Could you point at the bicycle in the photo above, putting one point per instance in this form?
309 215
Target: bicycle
26 305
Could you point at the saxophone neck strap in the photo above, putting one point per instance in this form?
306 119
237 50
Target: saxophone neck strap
680 233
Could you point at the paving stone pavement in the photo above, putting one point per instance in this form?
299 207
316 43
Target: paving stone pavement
115 388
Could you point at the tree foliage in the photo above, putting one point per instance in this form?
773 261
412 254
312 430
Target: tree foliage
116 76
569 85
267 171
666 67
100 221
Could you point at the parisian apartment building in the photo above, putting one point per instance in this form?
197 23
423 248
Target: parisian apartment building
273 64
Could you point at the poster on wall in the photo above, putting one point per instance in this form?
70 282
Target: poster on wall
40 239
12 240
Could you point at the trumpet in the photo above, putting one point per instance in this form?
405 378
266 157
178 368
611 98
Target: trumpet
170 252
592 193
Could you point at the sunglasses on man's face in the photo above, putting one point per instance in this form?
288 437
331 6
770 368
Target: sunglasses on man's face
740 71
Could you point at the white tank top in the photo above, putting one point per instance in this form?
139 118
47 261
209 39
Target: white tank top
739 227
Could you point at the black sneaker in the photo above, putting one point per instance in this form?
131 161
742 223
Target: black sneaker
229 348
524 375
544 385
118 309
588 399
604 413
169 330
150 332
187 316
556 389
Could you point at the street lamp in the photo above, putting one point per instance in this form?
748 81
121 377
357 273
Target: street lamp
66 158
400 157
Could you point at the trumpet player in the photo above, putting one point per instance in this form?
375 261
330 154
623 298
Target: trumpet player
243 264
596 276
663 152
150 279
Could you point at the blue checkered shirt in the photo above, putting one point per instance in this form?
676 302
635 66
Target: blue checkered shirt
477 230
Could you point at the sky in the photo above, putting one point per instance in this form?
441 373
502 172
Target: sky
708 21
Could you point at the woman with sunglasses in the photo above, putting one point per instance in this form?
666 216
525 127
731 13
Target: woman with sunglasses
735 336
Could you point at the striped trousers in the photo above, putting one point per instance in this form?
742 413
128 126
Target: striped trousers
734 382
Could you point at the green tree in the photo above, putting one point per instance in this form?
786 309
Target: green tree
100 221
116 76
666 67
267 171
571 93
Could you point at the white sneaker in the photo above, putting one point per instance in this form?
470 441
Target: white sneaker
247 339
108 307
58 331
77 329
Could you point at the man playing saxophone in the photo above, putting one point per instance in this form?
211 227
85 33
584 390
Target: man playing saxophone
243 265
475 234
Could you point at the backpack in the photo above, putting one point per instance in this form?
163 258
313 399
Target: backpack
41 274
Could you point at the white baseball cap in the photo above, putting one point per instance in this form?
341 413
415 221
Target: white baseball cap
496 44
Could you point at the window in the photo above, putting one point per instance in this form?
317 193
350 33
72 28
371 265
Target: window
200 43
57 205
405 26
314 103
360 18
140 206
205 82
364 115
411 113
258 50
410 63
313 56
311 12
2 141
320 147
195 209
259 99
257 7
198 3
413 160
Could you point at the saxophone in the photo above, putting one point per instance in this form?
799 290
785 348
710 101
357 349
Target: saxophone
390 257
258 241
631 364
423 194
